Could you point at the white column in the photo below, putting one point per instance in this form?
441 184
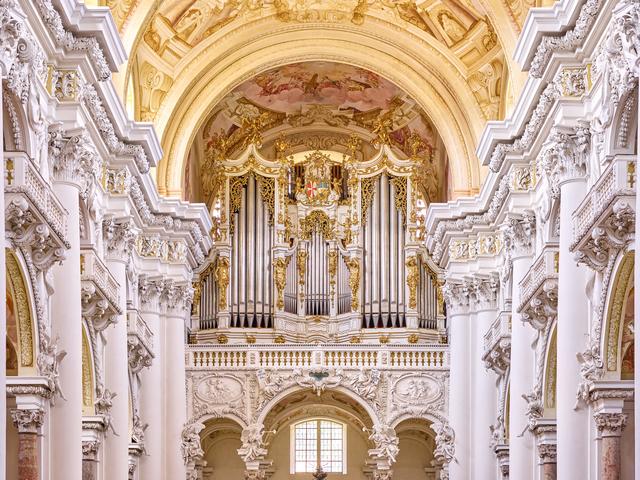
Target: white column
484 384
521 447
152 394
119 237
459 326
66 315
175 414
573 327
636 338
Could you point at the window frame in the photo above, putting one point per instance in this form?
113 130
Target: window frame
317 420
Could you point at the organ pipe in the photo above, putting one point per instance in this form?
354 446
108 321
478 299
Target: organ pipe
314 276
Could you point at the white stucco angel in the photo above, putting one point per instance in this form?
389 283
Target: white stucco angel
252 443
386 441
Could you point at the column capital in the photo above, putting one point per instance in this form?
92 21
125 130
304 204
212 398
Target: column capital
176 297
565 156
610 424
27 420
120 236
149 291
547 452
90 449
519 231
73 158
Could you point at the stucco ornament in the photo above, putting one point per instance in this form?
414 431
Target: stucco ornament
269 383
386 443
103 405
591 370
253 446
190 444
445 449
318 380
49 359
533 411
365 383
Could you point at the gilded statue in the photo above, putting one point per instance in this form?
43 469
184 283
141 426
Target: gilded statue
353 264
413 278
221 274
280 275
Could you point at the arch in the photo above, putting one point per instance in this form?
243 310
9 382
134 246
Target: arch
617 303
208 417
431 417
222 62
26 332
264 411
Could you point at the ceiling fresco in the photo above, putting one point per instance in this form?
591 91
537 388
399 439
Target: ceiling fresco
322 96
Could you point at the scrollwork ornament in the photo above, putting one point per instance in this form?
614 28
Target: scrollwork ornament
120 237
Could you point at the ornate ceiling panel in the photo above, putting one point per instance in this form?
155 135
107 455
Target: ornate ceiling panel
462 42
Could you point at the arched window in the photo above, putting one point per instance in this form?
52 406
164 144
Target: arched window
318 443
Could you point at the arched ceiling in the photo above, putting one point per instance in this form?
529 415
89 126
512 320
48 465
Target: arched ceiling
451 58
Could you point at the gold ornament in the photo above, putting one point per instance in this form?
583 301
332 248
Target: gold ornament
279 339
302 270
353 264
221 274
333 268
413 338
280 276
222 339
413 278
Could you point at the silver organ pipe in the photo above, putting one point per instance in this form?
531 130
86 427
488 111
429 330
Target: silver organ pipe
208 299
291 288
344 291
251 278
317 298
427 297
384 272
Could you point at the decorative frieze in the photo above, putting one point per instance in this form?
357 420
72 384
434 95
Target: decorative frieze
171 251
62 83
117 181
483 245
575 81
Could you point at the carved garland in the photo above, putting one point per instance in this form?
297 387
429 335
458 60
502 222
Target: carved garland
87 375
317 221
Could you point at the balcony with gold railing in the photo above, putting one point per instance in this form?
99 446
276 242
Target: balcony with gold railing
301 356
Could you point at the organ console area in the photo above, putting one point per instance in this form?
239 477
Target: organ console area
318 246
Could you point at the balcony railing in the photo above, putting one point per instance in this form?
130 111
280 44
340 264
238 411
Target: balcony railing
292 356
138 327
544 268
617 180
92 269
22 177
500 328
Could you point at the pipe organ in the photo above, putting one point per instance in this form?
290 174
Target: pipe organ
323 242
